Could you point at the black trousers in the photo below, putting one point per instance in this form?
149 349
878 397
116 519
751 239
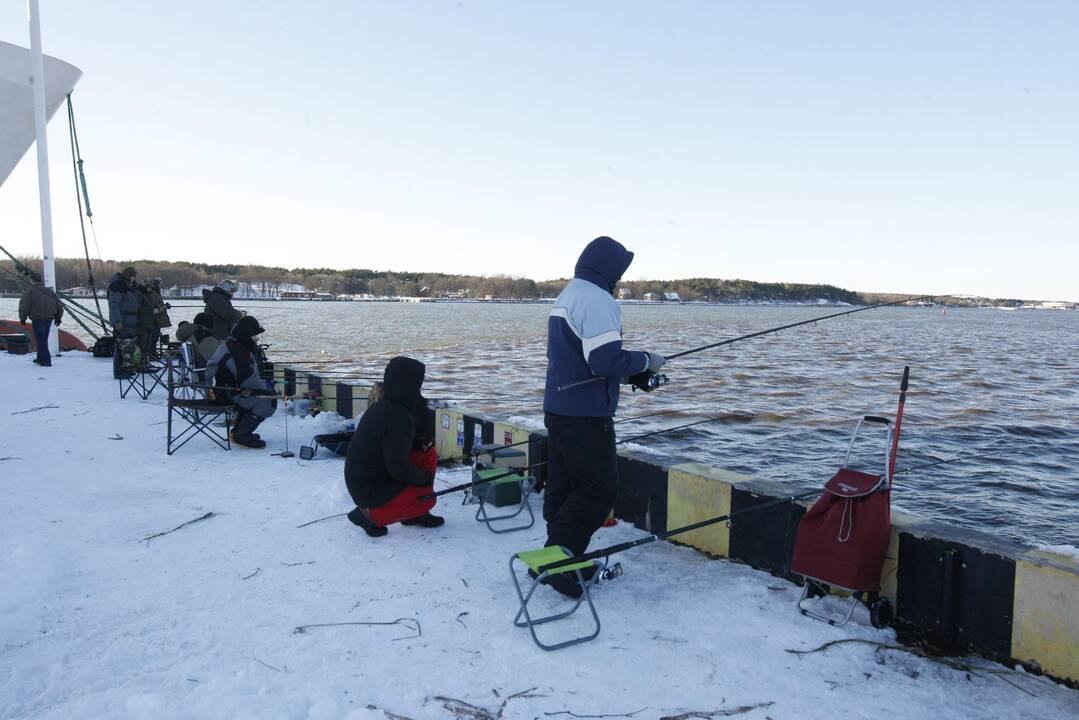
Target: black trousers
582 478
41 337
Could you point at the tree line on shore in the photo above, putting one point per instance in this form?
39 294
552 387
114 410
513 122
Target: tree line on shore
270 281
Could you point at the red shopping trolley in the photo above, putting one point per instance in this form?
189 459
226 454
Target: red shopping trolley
843 539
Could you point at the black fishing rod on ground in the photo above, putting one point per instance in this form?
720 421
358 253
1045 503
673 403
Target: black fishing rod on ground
622 547
758 334
516 471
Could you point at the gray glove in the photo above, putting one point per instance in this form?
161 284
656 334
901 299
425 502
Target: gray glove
655 361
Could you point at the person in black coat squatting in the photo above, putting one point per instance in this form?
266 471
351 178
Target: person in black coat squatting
383 483
584 340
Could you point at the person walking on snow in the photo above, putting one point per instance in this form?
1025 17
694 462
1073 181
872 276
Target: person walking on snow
584 341
41 305
235 365
389 467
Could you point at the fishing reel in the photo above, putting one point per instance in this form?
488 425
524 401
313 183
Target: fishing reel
647 381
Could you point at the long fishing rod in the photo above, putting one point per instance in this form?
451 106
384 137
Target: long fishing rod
515 471
616 422
759 334
898 421
945 461
622 547
80 175
35 288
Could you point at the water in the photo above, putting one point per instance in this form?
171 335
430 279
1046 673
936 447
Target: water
1000 386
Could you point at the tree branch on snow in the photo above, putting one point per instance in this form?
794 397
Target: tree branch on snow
410 623
328 517
467 711
148 538
918 652
248 577
266 664
707 714
573 714
50 406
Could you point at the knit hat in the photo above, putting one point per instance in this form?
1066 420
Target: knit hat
128 272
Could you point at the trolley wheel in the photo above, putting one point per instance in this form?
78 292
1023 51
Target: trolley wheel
880 613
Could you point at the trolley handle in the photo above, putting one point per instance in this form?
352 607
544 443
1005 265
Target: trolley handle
877 419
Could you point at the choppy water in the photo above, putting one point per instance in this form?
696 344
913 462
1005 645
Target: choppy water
1000 386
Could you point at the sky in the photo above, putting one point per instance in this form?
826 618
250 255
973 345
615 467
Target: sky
922 147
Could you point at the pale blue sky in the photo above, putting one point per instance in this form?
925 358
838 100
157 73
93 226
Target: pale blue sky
927 147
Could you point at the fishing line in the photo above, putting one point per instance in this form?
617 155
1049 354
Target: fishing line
758 334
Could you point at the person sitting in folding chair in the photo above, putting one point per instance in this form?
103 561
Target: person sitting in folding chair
381 478
199 332
235 365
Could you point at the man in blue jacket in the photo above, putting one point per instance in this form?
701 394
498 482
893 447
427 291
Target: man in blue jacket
584 342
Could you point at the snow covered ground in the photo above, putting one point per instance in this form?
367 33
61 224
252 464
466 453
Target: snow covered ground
202 622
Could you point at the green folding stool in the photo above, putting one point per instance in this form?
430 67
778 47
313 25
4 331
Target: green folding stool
502 491
536 559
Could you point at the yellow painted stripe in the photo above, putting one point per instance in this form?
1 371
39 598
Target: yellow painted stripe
1045 614
447 420
698 492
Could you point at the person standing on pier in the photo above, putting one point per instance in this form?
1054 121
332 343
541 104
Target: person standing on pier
41 305
219 306
584 341
123 315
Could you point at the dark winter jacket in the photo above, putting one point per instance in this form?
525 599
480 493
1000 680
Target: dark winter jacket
377 467
199 335
235 363
161 313
123 304
584 336
219 305
146 322
40 303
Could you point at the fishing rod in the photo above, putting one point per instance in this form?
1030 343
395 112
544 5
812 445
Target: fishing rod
622 547
758 334
620 420
898 421
515 471
80 175
35 288
945 461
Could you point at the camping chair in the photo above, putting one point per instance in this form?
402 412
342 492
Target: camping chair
536 559
197 412
504 490
140 373
192 373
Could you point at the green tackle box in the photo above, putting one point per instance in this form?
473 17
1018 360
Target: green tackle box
506 490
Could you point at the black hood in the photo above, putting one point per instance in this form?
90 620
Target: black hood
247 327
118 283
205 319
402 380
603 262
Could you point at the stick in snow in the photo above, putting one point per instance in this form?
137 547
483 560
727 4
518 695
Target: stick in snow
410 623
573 714
328 517
148 538
50 406
706 714
247 577
265 664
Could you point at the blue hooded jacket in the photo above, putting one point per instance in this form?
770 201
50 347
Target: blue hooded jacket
584 336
